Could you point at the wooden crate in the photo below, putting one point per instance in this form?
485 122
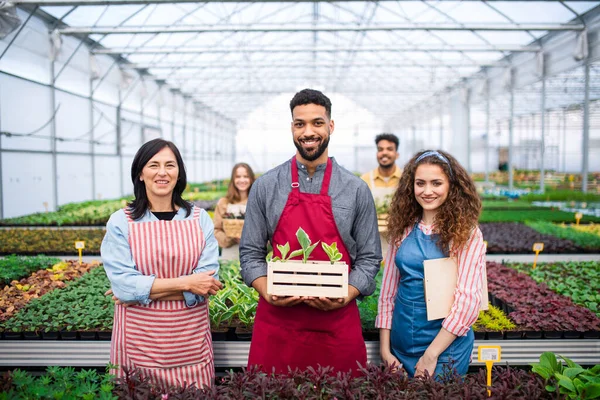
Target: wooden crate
315 279
233 227
382 223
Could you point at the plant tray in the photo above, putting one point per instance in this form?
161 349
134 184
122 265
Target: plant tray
315 279
233 228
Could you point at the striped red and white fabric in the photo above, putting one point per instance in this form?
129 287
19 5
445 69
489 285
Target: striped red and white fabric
467 297
168 341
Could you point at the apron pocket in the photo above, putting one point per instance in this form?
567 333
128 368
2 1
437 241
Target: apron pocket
159 338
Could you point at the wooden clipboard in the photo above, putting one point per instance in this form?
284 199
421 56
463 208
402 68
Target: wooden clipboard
441 275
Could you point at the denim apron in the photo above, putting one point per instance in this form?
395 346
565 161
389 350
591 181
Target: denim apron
411 332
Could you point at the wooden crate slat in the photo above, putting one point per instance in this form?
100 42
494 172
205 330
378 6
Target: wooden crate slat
314 291
313 279
303 284
325 267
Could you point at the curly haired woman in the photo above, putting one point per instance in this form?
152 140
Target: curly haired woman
433 215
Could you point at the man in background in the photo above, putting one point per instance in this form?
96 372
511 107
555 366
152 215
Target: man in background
384 179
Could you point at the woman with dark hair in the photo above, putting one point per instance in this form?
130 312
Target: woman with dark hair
433 215
160 255
233 205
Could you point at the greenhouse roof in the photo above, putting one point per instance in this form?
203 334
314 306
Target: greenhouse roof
387 56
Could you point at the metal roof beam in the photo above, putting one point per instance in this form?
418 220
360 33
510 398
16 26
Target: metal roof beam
186 78
136 2
369 49
237 64
408 26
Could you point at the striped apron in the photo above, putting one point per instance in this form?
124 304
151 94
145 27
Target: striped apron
169 342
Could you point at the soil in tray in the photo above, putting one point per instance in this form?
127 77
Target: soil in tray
50 335
68 335
88 335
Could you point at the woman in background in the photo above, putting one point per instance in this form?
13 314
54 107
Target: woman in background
160 255
233 204
434 214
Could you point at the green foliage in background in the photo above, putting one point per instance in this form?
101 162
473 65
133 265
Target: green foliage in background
16 267
578 280
582 239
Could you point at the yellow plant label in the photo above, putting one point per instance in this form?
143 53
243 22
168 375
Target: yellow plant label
486 244
80 244
538 246
578 215
489 353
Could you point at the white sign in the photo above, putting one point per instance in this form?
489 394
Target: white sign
489 353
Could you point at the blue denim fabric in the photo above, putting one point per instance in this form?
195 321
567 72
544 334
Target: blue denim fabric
411 333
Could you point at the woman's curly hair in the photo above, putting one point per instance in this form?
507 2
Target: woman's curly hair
456 217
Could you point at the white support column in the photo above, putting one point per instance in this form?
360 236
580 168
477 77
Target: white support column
487 131
543 140
194 157
585 148
92 150
53 135
564 138
468 128
120 144
441 125
511 132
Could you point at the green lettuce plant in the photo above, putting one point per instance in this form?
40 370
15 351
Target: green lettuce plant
571 380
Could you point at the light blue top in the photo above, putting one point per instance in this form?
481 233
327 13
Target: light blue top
128 284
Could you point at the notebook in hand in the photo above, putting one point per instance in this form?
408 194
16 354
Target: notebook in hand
441 275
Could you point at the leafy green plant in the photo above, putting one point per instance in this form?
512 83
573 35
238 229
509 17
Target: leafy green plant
332 252
578 280
584 239
16 267
562 195
571 380
284 249
236 303
306 244
80 306
61 383
307 247
538 214
95 212
49 241
494 320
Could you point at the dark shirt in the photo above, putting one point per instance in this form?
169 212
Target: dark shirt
353 211
164 215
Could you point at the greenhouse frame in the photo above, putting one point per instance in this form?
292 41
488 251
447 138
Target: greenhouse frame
510 88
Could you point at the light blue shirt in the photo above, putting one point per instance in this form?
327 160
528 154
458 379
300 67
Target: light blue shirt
128 284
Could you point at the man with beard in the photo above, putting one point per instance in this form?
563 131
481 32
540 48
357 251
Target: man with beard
314 192
383 180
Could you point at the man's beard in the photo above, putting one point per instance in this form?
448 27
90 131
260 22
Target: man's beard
314 155
388 166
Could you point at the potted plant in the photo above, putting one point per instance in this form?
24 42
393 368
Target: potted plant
233 223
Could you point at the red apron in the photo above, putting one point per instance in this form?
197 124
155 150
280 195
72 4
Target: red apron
303 336
170 342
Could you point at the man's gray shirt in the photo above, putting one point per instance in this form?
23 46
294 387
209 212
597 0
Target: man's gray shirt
353 211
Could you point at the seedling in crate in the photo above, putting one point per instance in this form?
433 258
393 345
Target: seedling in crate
288 277
332 252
